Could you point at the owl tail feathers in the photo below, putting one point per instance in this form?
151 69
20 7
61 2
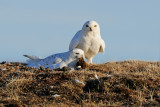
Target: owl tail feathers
32 59
102 46
101 50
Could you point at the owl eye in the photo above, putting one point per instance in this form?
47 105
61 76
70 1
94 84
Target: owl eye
95 25
77 53
87 26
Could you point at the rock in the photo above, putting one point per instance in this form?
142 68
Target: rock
81 63
94 85
51 86
55 95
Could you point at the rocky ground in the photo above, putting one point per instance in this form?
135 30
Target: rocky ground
127 83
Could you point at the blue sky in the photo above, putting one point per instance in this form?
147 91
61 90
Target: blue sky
131 29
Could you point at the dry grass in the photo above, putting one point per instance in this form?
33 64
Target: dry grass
133 83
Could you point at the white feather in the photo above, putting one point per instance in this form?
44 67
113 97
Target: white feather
78 82
96 76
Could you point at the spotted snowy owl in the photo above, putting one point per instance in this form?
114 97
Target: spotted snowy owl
59 60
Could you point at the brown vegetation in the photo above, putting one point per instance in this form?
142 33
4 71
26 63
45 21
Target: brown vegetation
127 83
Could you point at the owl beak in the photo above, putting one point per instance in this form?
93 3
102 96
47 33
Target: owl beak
90 28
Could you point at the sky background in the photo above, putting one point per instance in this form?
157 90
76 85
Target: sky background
130 28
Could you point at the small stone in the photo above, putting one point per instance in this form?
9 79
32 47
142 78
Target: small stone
55 95
4 69
51 86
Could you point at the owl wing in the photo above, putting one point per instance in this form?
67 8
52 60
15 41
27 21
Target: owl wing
32 59
50 62
53 59
75 41
102 46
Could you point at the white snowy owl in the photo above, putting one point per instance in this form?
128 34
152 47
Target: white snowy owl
89 40
60 60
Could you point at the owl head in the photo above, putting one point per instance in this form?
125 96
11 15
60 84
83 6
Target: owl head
76 53
91 26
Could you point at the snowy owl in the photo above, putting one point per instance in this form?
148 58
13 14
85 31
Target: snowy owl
89 40
60 60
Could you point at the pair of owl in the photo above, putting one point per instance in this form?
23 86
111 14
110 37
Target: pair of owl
86 43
